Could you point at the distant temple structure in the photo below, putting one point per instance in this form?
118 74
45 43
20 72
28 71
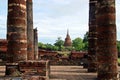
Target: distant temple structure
68 42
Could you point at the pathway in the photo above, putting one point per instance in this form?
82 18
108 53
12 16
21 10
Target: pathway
71 73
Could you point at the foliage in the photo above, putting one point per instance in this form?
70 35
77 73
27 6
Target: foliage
78 44
85 41
47 46
59 43
118 60
118 46
41 45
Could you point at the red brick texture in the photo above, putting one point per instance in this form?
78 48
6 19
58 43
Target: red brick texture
107 50
16 31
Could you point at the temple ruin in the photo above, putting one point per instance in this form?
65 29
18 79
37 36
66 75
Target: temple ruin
106 42
68 42
21 46
16 31
30 31
92 37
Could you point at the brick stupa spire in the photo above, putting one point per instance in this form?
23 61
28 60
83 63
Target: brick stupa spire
68 42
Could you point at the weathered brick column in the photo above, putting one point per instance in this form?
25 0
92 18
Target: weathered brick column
92 37
35 44
16 31
30 36
107 50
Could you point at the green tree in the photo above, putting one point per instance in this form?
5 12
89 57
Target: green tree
78 44
118 46
59 43
47 46
85 41
41 45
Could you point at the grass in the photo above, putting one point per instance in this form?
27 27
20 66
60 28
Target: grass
64 53
118 60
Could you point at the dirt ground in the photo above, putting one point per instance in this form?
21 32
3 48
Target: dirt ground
62 73
71 73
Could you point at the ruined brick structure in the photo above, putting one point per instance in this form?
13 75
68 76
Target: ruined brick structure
107 49
92 37
47 55
16 31
30 32
39 68
77 55
35 44
3 49
68 42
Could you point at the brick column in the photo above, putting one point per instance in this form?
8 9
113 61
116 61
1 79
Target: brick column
35 44
92 37
30 36
16 31
107 50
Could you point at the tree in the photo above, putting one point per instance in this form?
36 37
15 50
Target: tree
59 43
118 46
85 41
78 44
47 46
41 45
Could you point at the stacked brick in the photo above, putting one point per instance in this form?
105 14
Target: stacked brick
3 49
16 31
92 38
107 50
30 32
68 42
36 68
35 44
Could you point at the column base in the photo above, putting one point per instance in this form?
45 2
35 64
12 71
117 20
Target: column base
12 69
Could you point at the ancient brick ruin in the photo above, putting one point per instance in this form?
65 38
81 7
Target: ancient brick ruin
68 42
16 31
22 46
92 37
3 49
35 44
107 49
21 50
30 31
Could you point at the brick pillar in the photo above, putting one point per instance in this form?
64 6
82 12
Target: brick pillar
92 37
35 44
107 50
30 36
16 31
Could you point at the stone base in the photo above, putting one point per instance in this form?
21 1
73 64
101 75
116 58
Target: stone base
12 69
35 68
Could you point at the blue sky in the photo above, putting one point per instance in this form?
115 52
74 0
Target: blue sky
54 17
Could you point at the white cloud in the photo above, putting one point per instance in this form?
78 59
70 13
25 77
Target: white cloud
54 17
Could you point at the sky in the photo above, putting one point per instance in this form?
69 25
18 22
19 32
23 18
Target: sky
52 18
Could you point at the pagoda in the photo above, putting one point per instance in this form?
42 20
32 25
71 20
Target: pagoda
68 42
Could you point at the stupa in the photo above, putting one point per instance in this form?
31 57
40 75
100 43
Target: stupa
68 42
